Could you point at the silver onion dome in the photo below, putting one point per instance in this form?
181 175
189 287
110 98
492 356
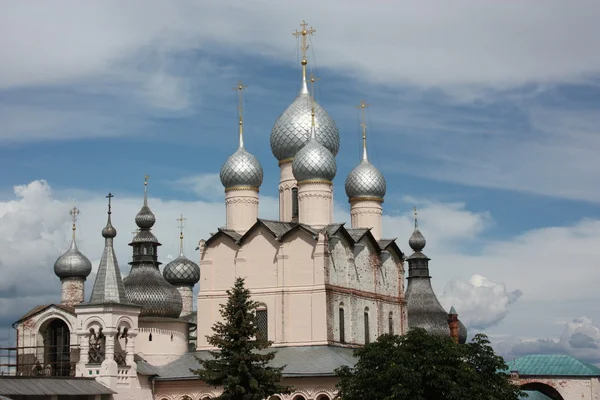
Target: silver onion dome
417 241
314 162
365 181
289 132
182 271
241 169
72 264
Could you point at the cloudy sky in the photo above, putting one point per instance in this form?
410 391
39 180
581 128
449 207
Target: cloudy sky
485 115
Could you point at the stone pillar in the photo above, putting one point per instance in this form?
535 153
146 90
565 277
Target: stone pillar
453 325
286 183
241 208
130 348
72 291
367 213
84 345
315 203
187 298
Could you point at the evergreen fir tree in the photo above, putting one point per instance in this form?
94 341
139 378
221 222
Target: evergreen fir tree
239 366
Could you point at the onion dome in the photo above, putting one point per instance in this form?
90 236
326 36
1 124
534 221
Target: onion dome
182 271
73 264
314 162
417 241
462 333
145 285
242 169
288 135
365 181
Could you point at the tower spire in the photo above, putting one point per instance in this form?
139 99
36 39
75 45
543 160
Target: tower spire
74 212
415 216
240 89
303 47
362 106
146 190
181 225
313 80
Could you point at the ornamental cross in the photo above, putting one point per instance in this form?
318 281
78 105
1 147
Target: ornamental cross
74 212
415 214
146 180
109 197
240 89
363 106
313 79
304 32
181 225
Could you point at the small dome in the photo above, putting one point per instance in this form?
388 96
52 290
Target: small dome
314 162
72 264
417 241
109 231
145 218
365 181
289 132
182 271
241 169
462 333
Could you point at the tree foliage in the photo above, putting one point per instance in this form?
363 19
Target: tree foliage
419 366
240 366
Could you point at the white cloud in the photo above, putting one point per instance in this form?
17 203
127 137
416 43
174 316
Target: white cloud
482 302
580 339
465 43
206 186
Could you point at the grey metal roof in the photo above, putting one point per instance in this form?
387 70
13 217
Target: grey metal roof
43 386
299 361
108 287
40 308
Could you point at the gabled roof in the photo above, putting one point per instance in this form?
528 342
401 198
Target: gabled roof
299 361
47 386
390 244
44 307
552 365
359 233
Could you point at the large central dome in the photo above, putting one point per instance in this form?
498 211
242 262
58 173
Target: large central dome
292 128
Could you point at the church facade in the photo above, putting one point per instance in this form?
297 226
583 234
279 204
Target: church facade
323 288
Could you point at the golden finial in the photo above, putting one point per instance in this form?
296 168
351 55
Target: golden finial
146 180
304 45
240 89
415 214
74 212
146 189
313 79
181 225
362 106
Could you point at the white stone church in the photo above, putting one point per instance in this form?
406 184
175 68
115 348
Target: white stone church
323 287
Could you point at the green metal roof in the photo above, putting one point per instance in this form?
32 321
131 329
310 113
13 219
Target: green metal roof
534 395
552 365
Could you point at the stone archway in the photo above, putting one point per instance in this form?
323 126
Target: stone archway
57 349
544 389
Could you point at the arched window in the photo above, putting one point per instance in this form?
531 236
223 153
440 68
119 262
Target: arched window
262 323
299 397
342 325
294 202
391 323
323 397
367 336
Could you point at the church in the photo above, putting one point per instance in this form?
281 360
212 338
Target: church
323 288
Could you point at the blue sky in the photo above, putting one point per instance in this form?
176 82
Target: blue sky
485 116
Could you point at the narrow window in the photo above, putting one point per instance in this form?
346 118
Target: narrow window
262 324
391 323
295 202
367 337
150 337
342 323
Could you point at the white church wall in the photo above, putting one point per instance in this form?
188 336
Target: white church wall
161 342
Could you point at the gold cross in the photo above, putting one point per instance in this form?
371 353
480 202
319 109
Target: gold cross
362 106
181 225
146 180
304 32
313 79
109 197
74 213
240 89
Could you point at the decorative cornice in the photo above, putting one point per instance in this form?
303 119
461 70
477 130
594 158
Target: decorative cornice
319 195
362 211
355 199
285 160
315 181
244 200
253 188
